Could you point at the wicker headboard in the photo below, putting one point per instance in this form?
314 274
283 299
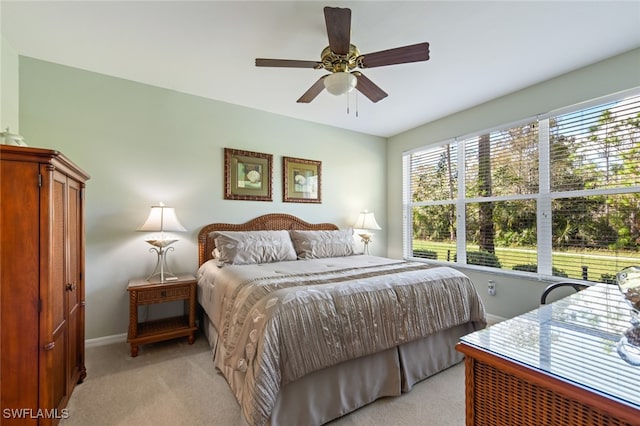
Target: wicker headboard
267 222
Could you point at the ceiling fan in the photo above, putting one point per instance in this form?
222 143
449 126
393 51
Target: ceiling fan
342 58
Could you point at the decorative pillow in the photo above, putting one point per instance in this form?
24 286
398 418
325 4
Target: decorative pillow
249 247
317 244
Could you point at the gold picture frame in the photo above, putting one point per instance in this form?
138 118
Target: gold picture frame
302 180
247 175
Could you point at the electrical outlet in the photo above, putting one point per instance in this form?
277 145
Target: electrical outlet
491 288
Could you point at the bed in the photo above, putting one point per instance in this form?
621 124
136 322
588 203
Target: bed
307 336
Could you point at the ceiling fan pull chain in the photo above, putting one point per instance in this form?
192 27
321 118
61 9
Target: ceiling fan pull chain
356 104
347 103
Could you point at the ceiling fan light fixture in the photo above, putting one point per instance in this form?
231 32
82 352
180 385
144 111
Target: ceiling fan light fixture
340 83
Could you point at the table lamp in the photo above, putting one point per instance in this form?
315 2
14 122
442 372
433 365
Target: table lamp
366 222
161 219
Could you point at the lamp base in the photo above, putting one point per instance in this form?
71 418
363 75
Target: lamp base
366 239
161 269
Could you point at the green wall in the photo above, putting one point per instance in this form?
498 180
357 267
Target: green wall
142 144
9 77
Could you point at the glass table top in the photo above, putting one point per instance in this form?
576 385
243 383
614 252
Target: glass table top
573 339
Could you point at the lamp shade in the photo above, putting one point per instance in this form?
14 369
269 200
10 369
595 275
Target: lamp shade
162 218
340 83
367 221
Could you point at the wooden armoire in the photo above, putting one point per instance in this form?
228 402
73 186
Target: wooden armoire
42 293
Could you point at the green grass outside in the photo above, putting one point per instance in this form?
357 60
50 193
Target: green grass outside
598 262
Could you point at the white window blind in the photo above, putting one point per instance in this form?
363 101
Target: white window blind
501 177
595 179
558 196
433 193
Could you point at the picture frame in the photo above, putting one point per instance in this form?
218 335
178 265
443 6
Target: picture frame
247 175
302 180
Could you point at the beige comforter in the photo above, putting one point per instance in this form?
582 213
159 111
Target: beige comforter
281 326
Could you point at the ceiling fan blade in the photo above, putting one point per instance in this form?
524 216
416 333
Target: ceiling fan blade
399 55
313 91
369 88
338 22
287 63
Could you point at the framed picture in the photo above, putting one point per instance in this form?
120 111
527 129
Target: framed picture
247 175
302 180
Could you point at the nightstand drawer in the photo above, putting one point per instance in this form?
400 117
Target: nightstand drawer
162 295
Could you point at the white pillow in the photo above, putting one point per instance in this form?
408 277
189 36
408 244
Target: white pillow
317 244
250 247
215 253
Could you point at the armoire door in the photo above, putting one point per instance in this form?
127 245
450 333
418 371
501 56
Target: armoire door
67 294
74 287
59 258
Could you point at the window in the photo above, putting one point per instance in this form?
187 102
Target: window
556 195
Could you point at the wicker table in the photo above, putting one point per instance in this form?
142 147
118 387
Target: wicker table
556 365
143 292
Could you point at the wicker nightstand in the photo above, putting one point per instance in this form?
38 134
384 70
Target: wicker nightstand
143 292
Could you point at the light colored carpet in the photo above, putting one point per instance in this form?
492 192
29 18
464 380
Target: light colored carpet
174 383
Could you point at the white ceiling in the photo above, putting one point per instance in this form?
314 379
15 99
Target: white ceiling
480 50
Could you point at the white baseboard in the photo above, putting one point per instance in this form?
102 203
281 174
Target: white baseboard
106 340
493 319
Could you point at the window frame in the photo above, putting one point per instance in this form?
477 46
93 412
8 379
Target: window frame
543 197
